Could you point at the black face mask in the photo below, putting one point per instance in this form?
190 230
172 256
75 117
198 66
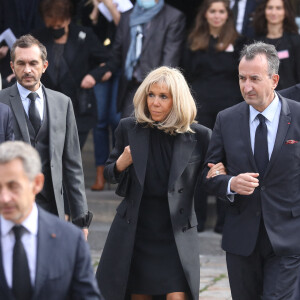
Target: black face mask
57 33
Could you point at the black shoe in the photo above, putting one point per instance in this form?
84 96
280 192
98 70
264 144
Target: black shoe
218 229
200 228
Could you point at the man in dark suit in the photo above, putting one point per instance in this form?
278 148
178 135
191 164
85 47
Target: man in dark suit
243 14
292 92
257 141
41 256
140 26
6 130
45 119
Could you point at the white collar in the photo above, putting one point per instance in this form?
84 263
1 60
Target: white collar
268 113
24 92
30 223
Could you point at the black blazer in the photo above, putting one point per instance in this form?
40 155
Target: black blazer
6 128
279 189
82 55
188 157
292 92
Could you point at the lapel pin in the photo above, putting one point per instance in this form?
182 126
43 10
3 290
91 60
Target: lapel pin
289 123
53 235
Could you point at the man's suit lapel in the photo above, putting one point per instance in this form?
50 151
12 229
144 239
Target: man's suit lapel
46 243
139 146
283 126
18 110
52 115
183 148
243 125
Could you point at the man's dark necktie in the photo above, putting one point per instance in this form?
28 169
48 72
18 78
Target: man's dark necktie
33 113
235 10
261 153
21 286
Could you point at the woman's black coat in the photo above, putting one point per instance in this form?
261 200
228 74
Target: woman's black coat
188 157
82 55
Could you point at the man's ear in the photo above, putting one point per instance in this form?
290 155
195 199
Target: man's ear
38 183
45 65
275 79
12 67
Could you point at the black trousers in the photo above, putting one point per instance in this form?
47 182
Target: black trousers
263 275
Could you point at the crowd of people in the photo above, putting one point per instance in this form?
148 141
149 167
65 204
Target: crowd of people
184 101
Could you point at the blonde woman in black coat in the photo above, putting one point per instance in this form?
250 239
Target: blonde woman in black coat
152 246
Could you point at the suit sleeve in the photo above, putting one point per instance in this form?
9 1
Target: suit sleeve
9 133
84 285
174 38
114 62
110 173
72 168
216 185
98 54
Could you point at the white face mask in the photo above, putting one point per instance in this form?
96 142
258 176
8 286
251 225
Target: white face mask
146 3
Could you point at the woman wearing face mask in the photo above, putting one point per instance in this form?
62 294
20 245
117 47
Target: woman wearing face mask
274 23
151 251
74 55
149 35
210 62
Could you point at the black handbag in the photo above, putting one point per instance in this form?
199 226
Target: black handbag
86 102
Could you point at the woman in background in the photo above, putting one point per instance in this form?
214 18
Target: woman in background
152 248
274 23
210 62
74 55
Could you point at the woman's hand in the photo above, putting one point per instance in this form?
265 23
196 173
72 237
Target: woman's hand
88 82
215 170
124 160
106 76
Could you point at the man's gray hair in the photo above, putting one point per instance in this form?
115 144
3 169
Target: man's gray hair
260 48
27 154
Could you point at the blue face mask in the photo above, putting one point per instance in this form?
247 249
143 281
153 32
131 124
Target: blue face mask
146 3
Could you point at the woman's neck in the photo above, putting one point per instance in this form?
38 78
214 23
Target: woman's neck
215 32
275 31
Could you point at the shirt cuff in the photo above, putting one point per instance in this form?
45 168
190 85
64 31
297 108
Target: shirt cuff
230 194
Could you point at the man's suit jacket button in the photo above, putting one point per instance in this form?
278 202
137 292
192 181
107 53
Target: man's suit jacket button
180 190
258 213
263 188
183 229
181 211
128 221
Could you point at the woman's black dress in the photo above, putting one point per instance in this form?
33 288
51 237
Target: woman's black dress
156 268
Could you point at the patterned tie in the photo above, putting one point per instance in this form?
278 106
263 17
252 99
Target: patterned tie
21 286
261 154
33 113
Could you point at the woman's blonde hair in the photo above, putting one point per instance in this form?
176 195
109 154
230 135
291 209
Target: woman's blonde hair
184 110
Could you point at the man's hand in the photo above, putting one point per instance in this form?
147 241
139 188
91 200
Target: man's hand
85 232
245 183
215 170
88 82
